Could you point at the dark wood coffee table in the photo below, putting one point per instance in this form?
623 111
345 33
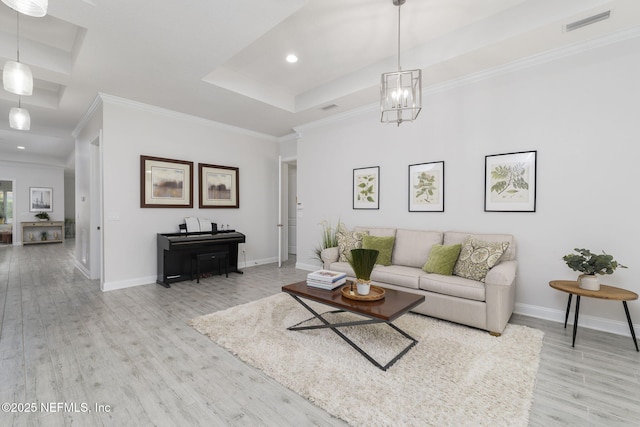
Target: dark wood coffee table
393 305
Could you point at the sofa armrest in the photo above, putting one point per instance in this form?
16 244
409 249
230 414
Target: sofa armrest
500 294
329 255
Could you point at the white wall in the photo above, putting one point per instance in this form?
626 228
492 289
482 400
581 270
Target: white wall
26 175
581 115
132 130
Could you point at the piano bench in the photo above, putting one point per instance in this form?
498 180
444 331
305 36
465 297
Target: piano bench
218 256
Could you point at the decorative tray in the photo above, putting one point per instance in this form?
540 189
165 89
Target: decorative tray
375 293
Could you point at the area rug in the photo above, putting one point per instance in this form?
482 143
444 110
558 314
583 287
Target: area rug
454 376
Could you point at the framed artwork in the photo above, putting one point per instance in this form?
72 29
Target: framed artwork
165 183
40 199
366 188
219 186
426 187
510 182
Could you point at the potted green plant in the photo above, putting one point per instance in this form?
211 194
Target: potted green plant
362 261
42 216
329 239
590 265
43 236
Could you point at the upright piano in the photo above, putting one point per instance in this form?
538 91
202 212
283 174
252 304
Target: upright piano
176 250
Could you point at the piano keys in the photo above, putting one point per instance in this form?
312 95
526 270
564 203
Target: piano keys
176 250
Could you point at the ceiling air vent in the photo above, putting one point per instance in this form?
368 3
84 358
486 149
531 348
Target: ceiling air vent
329 107
588 21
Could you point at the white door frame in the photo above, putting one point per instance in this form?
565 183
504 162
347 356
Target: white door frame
96 236
283 206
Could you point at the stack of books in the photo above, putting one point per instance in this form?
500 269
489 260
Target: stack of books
326 279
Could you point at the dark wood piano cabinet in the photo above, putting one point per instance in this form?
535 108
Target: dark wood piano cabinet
175 251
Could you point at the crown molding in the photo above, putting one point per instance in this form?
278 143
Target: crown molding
97 102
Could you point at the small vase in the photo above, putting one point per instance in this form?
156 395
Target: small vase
589 282
363 286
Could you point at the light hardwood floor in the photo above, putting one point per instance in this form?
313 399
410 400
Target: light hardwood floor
63 340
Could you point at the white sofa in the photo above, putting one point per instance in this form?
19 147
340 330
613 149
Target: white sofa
487 305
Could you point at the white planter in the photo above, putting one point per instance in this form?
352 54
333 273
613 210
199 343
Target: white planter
363 288
589 282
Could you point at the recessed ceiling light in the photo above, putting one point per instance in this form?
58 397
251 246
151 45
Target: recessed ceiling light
20 147
291 58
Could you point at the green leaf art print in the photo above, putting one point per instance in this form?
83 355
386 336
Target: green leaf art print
366 188
510 182
425 188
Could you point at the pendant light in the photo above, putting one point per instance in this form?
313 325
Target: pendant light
35 8
16 76
19 118
400 91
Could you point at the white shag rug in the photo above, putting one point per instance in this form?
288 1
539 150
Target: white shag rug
454 376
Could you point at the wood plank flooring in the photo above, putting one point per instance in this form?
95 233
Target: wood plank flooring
63 340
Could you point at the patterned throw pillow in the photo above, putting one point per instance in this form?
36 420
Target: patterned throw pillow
384 246
348 240
477 257
442 259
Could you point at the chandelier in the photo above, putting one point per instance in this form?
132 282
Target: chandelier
400 91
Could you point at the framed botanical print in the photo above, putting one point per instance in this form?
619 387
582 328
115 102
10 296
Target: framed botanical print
366 188
510 182
40 199
165 183
426 187
219 186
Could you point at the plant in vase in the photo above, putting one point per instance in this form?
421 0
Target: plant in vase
590 265
42 216
362 261
329 239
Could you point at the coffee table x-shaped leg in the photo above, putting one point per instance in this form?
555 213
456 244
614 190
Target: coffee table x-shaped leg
334 327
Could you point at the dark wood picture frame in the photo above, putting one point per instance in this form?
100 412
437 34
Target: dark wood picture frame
510 182
219 186
165 183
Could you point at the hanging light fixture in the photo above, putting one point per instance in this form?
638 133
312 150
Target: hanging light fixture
19 117
35 8
16 76
400 91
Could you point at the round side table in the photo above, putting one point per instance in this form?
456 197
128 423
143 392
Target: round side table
606 292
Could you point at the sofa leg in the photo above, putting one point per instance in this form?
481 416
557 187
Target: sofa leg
495 334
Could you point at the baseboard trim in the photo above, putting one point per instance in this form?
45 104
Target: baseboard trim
130 283
585 321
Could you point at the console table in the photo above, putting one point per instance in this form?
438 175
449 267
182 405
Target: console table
606 292
32 232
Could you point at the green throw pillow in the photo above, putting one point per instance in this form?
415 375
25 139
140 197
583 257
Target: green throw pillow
477 257
442 259
384 245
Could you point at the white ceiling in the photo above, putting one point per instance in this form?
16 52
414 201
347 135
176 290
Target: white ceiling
224 60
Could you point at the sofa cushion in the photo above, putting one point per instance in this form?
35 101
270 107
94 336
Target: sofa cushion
384 246
442 259
453 237
408 277
348 240
377 231
477 257
454 286
412 247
